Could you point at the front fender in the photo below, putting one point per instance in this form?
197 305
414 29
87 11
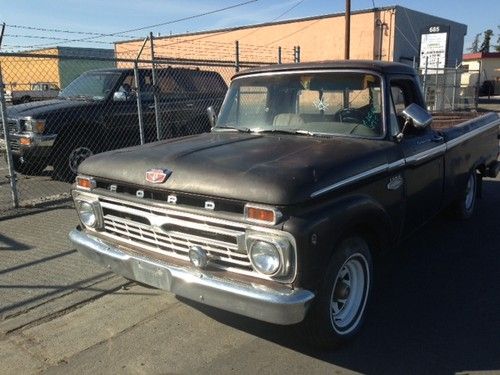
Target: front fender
318 231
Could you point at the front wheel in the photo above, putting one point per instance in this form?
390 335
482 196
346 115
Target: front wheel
66 164
339 310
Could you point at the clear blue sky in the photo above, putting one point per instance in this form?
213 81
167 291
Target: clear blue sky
109 16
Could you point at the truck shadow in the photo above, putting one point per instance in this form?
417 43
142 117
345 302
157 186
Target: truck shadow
435 308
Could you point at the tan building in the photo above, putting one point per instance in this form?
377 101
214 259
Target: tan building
482 66
19 72
390 33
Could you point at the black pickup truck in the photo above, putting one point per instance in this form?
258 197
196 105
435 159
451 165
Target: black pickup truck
98 111
309 172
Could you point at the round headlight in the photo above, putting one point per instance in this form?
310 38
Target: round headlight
87 214
265 257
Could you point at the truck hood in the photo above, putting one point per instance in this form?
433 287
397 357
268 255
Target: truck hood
42 109
264 168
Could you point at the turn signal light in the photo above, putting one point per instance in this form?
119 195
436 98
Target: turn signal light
262 214
86 183
25 141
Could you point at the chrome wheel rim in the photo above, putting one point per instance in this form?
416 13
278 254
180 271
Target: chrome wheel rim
78 155
470 192
349 294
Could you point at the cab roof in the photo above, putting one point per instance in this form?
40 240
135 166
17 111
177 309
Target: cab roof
383 67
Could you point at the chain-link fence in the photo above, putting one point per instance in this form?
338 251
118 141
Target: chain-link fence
449 89
58 110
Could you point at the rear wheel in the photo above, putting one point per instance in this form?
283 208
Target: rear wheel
339 310
466 203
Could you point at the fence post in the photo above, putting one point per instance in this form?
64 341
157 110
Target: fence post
294 54
155 90
424 83
298 54
139 102
137 82
279 55
454 92
436 86
10 164
237 56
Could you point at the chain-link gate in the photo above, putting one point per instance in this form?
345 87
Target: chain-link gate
59 110
450 89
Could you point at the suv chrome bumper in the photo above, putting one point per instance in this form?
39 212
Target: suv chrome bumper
279 306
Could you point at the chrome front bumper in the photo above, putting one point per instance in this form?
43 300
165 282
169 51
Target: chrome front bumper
279 306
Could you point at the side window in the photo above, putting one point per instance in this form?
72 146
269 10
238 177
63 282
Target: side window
403 93
207 82
167 84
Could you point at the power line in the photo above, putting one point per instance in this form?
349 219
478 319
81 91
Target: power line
50 38
159 24
229 31
62 31
276 18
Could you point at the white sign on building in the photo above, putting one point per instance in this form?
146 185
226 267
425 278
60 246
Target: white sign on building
434 47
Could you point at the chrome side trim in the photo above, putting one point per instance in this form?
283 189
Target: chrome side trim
278 305
396 165
473 133
426 155
355 178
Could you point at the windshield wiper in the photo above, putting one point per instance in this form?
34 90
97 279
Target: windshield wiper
79 97
240 129
284 131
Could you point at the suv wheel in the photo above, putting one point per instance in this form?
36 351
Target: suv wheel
66 164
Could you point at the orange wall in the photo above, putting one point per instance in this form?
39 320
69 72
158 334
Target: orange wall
319 39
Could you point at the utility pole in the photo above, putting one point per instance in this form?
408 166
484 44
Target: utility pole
347 28
1 35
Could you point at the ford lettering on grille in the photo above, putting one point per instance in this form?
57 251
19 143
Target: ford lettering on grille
157 176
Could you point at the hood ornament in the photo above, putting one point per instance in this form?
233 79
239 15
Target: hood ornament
157 175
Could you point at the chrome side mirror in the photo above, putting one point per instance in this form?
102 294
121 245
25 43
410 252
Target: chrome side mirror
212 116
415 115
120 96
419 117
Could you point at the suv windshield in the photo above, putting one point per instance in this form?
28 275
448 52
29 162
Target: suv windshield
91 85
309 103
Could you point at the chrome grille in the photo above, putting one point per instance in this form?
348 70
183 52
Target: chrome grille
172 233
12 127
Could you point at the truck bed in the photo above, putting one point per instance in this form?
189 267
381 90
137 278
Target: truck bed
443 121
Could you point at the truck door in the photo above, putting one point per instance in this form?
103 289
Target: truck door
423 151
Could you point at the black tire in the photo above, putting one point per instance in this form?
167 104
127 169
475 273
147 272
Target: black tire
465 205
29 168
339 309
67 160
25 99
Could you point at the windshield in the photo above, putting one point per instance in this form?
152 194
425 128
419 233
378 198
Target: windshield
92 85
305 103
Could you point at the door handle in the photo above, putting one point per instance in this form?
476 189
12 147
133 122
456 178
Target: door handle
189 105
437 139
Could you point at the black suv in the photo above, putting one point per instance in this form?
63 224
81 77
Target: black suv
98 112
